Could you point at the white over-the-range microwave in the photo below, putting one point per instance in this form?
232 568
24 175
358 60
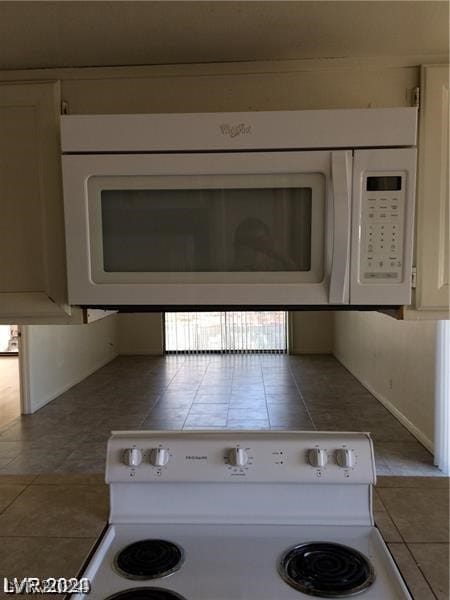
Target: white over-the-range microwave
264 209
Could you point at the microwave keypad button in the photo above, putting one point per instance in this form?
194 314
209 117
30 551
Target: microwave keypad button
382 237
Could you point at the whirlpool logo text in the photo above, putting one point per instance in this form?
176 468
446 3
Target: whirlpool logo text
233 131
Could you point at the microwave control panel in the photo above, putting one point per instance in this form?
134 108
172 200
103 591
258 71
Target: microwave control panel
382 228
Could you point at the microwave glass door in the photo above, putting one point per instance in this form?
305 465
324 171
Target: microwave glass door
227 228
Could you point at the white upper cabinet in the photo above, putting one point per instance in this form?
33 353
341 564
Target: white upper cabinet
32 252
432 249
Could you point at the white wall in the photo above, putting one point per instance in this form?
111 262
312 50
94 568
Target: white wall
140 333
56 357
395 360
311 332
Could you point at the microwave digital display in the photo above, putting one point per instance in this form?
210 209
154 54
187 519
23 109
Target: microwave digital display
385 183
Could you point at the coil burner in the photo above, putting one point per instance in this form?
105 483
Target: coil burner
326 570
149 559
146 593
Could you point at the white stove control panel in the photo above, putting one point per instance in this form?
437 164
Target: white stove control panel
268 456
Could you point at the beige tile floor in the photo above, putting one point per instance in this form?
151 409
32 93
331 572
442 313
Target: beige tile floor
412 514
311 392
48 524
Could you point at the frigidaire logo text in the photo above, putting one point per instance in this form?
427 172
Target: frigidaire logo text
235 130
195 457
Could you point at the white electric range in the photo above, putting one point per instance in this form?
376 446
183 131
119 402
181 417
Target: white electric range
241 515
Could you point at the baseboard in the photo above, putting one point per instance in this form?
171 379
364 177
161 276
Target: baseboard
419 435
143 352
300 351
85 374
401 417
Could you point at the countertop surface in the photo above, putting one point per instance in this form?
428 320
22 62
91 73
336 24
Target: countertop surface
49 524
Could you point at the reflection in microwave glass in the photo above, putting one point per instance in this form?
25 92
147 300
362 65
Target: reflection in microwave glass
207 230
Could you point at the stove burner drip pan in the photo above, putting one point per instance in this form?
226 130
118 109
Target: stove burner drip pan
146 593
326 570
149 559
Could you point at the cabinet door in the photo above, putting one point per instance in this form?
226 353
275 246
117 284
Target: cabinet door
32 252
433 268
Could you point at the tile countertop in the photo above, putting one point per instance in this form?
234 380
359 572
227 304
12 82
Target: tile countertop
49 523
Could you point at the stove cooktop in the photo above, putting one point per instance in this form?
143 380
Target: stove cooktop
240 562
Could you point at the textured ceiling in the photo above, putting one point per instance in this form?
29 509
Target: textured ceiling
88 33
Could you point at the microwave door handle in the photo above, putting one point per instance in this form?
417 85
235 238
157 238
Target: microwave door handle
341 187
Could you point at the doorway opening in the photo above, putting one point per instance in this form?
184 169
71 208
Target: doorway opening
226 332
9 340
9 374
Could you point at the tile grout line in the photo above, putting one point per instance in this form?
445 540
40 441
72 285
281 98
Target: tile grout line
265 394
302 398
26 486
420 570
192 402
386 510
229 399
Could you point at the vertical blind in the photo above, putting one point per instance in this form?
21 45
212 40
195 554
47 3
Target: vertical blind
226 332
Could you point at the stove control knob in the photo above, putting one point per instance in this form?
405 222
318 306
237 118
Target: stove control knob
317 457
159 457
345 458
132 457
237 457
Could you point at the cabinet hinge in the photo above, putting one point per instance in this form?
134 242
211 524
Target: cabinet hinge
414 278
64 107
416 97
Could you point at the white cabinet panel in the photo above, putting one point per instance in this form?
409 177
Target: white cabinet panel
433 269
32 254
